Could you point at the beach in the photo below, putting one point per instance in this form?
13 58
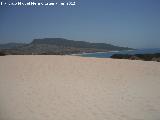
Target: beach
50 87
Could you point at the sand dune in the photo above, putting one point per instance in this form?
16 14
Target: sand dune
76 88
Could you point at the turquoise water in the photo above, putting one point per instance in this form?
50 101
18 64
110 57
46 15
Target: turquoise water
109 54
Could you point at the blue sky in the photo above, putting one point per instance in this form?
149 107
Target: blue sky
131 23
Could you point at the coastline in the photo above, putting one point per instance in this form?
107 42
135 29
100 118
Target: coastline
85 53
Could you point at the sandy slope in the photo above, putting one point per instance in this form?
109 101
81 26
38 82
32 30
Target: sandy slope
75 88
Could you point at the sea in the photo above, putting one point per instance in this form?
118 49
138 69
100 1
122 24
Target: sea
130 52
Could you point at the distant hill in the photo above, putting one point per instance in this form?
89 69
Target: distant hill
11 45
57 46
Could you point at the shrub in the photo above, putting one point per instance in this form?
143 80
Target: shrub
2 53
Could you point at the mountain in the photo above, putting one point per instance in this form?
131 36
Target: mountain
58 46
77 44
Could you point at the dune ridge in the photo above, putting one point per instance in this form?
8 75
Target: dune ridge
76 88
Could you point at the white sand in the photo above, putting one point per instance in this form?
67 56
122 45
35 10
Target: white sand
76 88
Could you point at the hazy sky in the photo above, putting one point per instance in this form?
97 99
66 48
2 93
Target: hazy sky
132 23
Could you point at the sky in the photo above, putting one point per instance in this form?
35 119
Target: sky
128 23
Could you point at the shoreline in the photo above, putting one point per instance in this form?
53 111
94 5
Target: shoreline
94 53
